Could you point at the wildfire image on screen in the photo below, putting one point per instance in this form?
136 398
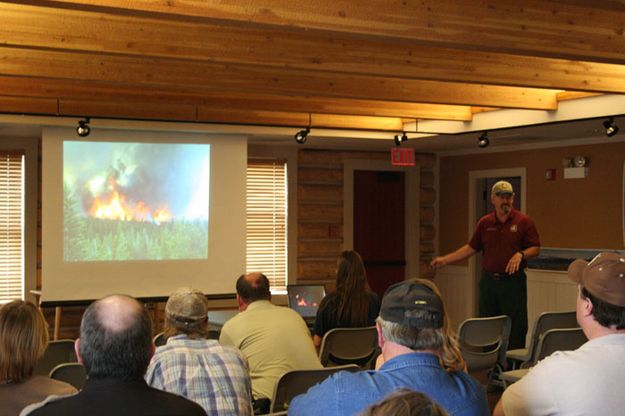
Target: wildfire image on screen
135 201
303 302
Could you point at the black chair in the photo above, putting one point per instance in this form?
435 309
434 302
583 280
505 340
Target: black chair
159 339
71 373
295 382
57 352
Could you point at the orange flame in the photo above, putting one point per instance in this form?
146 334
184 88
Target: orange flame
116 207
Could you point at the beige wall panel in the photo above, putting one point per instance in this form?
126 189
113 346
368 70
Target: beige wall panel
570 213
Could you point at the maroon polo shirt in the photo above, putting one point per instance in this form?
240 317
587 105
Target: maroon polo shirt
500 240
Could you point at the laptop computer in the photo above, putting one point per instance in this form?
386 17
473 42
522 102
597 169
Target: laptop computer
305 300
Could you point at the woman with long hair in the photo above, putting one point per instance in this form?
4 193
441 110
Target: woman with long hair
23 339
352 304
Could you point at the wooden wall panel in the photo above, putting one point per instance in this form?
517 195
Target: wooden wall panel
320 211
316 270
323 192
331 175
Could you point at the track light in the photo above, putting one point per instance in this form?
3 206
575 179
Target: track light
398 139
302 135
610 128
483 140
83 128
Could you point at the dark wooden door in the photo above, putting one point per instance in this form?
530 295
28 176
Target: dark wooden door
379 226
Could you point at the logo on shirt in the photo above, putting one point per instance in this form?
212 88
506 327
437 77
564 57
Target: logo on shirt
513 228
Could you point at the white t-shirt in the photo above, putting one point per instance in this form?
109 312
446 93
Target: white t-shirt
587 381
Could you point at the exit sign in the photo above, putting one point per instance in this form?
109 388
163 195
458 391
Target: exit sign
402 156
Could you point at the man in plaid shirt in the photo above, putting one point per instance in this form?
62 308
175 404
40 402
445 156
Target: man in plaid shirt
214 376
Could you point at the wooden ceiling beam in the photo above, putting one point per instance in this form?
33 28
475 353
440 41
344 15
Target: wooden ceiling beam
286 119
81 31
28 105
74 90
180 112
154 73
570 30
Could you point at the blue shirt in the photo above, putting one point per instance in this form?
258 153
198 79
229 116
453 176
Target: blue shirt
346 393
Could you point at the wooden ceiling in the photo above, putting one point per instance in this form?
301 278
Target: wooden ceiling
349 64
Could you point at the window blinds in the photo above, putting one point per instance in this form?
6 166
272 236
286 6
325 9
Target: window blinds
267 220
11 226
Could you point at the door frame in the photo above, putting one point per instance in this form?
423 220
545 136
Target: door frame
475 176
411 216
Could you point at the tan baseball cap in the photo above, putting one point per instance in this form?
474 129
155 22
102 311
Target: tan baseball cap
502 187
603 277
187 306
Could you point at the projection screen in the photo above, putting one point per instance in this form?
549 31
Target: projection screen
141 213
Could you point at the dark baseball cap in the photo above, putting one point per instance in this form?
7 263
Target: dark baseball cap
603 276
414 304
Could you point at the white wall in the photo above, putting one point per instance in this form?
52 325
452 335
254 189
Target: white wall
547 291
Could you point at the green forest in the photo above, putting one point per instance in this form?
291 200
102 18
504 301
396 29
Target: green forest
94 239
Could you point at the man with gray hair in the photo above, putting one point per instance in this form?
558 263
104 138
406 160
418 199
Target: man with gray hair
214 376
418 353
115 346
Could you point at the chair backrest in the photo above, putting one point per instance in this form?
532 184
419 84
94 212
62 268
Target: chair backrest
484 341
341 346
545 322
297 382
71 373
57 352
159 339
560 339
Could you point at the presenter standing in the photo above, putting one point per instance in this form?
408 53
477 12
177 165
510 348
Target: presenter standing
508 239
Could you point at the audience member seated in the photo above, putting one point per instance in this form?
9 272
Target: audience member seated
589 380
214 376
115 346
404 402
352 304
418 353
23 339
274 339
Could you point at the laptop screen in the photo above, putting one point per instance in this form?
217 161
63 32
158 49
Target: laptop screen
305 299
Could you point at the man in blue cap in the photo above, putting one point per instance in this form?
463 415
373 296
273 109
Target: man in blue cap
418 353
